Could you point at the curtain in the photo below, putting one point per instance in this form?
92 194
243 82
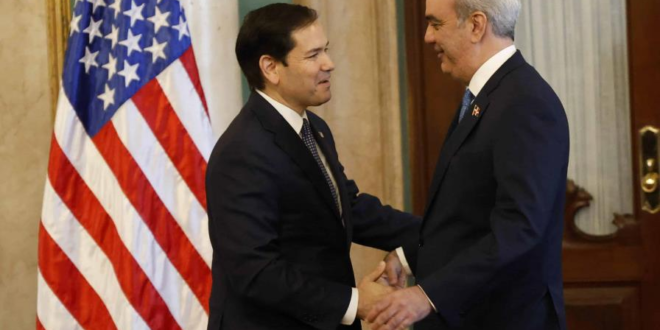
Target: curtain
580 47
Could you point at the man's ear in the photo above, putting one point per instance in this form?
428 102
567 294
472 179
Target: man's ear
479 23
268 66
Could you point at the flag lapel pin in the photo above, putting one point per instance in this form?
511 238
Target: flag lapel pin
476 111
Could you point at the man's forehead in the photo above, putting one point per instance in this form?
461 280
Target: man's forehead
438 7
310 38
319 44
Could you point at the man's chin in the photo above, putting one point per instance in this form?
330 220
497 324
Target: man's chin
444 67
447 69
322 100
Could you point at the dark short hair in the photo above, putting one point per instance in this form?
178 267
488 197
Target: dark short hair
267 31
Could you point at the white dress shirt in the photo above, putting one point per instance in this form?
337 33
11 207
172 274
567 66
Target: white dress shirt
296 121
489 68
477 83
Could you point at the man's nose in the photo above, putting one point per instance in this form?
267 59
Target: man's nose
429 38
328 64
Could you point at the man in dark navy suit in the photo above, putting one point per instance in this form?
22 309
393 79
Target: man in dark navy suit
282 214
488 255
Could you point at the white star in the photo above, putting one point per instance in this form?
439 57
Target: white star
108 97
113 36
159 19
116 6
182 27
129 73
75 24
96 4
111 66
94 29
89 59
135 13
132 42
157 50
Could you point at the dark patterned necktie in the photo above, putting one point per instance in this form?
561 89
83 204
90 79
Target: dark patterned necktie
310 142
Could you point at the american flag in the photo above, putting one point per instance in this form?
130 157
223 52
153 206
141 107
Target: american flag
123 238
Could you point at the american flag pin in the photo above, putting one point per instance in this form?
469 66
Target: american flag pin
476 111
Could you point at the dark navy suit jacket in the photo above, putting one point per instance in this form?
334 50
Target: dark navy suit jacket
489 251
280 251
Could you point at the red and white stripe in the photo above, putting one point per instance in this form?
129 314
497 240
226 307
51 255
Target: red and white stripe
123 240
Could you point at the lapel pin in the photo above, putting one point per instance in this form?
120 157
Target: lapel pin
321 135
476 111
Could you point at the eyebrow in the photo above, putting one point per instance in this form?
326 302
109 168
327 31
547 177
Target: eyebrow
433 19
318 49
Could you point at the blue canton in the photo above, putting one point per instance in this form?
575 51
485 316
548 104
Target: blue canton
116 47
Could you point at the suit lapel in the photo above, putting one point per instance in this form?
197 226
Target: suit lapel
290 142
294 146
453 143
462 130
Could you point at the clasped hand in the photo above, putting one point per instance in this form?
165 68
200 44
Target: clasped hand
384 301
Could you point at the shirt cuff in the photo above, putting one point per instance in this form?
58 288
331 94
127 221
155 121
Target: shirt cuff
404 262
427 298
351 312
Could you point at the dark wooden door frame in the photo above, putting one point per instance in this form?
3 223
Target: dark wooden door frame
644 67
415 67
440 92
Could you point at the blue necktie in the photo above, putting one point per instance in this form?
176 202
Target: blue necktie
310 142
467 100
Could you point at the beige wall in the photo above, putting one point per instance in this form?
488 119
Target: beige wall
364 112
25 128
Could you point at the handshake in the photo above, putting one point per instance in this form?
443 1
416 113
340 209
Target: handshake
385 302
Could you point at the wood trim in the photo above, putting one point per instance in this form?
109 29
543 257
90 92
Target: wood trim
598 259
577 198
433 99
59 16
602 263
591 308
644 68
416 128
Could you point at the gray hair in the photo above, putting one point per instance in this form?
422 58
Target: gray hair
503 14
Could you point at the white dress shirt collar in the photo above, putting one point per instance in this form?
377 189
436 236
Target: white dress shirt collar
487 69
291 116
